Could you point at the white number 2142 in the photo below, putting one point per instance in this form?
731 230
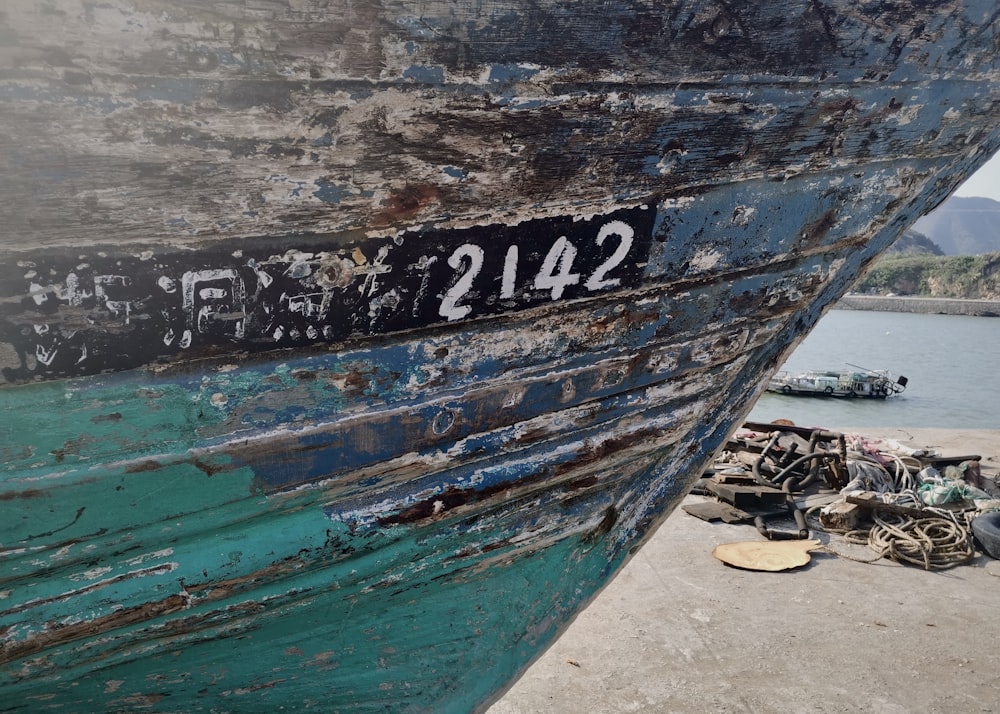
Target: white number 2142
555 274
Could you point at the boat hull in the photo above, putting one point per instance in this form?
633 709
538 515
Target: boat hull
408 568
850 385
353 349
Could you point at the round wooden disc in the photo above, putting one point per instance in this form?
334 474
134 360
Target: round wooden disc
772 555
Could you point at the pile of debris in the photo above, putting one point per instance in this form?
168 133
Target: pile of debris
911 505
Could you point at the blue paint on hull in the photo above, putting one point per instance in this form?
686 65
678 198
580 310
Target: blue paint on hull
395 503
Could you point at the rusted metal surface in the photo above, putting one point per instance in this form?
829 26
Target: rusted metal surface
371 338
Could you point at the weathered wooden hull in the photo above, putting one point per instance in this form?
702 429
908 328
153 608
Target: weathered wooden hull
349 350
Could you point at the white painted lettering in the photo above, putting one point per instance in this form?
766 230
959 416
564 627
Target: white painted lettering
509 278
556 272
450 308
625 234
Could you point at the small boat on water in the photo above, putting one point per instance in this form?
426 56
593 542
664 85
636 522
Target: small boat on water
348 349
865 384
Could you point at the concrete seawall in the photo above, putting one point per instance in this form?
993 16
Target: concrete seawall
926 305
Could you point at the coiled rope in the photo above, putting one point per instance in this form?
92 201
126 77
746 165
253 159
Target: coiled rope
935 542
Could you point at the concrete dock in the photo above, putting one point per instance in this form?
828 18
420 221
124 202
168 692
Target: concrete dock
923 305
679 631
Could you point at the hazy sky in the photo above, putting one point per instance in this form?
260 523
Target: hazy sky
985 182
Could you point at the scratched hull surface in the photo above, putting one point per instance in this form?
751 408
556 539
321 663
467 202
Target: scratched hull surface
348 349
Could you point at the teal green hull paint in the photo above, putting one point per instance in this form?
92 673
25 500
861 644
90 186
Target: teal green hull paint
339 654
172 562
345 621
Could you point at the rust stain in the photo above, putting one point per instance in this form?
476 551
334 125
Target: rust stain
528 436
56 634
406 203
355 382
584 482
217 590
437 505
607 448
211 469
143 701
26 493
606 524
813 233
147 465
70 448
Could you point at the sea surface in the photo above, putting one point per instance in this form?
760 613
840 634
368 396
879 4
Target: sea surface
952 363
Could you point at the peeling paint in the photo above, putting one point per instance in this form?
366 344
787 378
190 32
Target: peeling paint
376 337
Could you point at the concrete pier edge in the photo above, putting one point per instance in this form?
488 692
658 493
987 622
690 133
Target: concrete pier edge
923 305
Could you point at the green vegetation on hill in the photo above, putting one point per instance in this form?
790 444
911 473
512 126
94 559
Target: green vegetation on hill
973 277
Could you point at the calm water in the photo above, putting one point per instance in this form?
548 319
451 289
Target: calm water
950 360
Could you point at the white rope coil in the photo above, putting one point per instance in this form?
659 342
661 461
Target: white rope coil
935 542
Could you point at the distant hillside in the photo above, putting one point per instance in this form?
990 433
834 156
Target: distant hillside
963 226
914 243
956 276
